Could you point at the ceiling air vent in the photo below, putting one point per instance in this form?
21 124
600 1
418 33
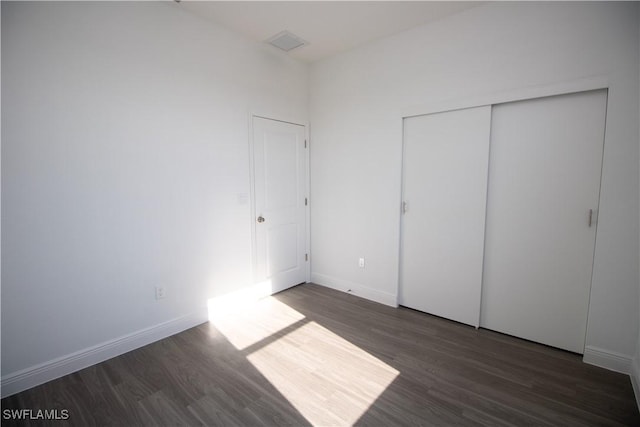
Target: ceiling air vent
286 41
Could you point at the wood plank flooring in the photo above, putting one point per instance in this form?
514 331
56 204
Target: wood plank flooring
314 356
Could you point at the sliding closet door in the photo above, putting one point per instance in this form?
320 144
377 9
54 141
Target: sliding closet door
445 184
544 184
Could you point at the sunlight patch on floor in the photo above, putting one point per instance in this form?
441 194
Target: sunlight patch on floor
249 316
326 378
329 380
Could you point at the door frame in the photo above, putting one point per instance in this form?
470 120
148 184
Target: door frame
441 106
514 95
252 195
518 94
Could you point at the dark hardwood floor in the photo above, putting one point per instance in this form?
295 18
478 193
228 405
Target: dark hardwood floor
314 356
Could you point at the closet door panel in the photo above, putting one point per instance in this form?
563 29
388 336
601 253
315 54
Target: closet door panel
544 184
444 192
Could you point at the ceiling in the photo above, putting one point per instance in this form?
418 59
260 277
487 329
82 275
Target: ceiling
330 27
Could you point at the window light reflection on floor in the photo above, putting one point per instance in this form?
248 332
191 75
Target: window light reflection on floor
329 380
247 316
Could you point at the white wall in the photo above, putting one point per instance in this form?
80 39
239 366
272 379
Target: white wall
358 98
125 165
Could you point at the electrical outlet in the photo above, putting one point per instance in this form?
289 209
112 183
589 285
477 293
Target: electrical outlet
361 262
159 292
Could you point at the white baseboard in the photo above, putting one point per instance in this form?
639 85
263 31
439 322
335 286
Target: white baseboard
607 359
635 379
44 372
355 289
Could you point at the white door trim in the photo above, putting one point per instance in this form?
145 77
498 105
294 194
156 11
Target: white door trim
519 94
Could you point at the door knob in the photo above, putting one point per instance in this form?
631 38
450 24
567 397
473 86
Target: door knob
260 219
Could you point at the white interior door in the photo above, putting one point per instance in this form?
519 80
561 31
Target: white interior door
444 191
544 184
280 182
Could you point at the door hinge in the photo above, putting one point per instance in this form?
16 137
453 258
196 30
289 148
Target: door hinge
306 257
404 207
306 202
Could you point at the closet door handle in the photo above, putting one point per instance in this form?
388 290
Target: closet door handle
590 217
